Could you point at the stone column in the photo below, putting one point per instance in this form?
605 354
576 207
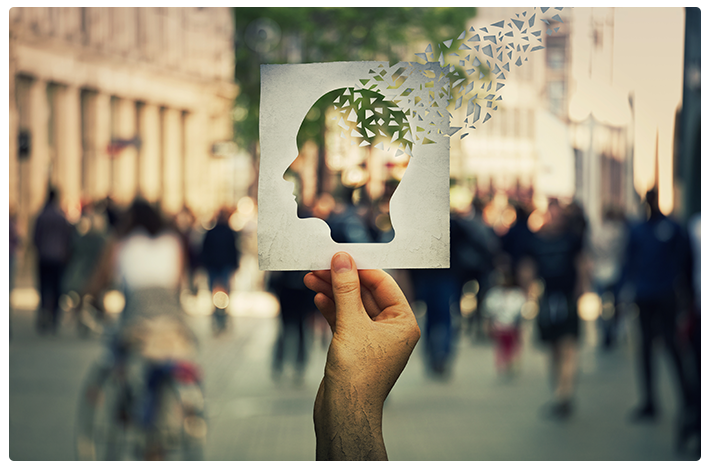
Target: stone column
172 162
101 138
197 160
68 149
150 162
37 169
13 166
125 187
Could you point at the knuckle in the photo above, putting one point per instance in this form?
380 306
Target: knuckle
346 288
415 333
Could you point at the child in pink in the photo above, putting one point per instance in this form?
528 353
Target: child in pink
502 307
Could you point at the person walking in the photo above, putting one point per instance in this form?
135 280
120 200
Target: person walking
697 331
655 262
53 238
15 245
474 247
607 243
220 257
296 303
145 259
555 253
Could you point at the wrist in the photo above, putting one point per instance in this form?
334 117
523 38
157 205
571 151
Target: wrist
348 425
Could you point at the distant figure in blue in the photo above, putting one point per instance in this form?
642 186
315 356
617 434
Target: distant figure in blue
655 263
698 333
440 289
296 302
53 238
474 247
220 254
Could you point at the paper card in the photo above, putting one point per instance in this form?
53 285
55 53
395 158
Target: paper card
419 206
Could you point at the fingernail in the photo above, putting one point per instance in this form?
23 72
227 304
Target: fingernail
341 263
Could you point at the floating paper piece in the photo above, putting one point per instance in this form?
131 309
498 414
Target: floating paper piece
507 43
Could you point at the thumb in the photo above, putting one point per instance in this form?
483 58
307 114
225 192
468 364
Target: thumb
346 289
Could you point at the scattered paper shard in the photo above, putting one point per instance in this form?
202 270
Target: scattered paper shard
511 36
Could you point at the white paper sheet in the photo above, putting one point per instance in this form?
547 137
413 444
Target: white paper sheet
419 206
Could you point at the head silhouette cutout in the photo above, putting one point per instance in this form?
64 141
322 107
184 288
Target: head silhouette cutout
353 149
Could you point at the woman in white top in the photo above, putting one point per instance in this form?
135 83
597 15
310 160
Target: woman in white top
146 259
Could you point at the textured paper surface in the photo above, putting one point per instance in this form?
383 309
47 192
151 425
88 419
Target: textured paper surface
419 207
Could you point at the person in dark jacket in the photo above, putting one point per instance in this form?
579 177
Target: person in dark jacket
655 261
555 254
296 302
53 238
220 257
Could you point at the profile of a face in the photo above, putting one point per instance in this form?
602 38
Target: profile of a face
353 149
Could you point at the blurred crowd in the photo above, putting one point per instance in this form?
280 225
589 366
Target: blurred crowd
513 261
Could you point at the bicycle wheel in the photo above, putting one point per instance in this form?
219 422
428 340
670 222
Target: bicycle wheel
180 428
105 430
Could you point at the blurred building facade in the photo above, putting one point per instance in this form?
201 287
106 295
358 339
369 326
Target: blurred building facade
120 102
507 152
600 117
546 140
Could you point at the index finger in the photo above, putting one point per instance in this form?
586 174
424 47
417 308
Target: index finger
324 275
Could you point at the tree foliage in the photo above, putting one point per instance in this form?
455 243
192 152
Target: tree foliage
308 34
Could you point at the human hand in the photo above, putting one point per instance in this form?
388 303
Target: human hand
374 328
374 333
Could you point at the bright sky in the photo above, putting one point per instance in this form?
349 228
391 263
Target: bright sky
648 60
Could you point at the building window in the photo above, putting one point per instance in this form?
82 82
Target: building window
555 93
556 52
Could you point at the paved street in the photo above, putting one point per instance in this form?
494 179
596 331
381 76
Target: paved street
474 416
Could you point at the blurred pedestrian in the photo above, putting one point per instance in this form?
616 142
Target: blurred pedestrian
53 238
185 223
655 261
145 258
515 240
556 254
474 246
15 243
87 249
607 249
698 333
438 290
220 256
296 303
502 308
113 213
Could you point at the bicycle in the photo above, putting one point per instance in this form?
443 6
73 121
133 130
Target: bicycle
145 405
